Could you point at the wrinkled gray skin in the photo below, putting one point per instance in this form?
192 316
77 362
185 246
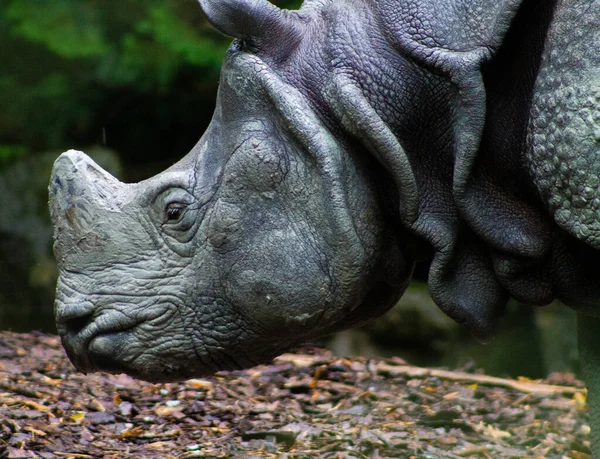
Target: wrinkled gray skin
350 139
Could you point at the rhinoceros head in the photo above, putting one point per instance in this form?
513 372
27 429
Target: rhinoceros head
269 232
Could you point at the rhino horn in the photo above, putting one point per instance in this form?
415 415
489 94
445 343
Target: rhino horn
256 21
80 194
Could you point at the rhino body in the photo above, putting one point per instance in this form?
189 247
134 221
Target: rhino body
350 140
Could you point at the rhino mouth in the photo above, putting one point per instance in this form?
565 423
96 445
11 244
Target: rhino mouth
103 348
91 341
97 353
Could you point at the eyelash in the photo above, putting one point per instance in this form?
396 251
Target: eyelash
174 211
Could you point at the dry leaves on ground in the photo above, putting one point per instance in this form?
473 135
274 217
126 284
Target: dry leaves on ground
301 406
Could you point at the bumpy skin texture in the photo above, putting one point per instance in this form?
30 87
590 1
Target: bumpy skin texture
350 139
565 123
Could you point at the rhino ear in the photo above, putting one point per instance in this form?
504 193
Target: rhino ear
253 20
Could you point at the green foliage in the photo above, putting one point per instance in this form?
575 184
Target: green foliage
68 28
10 153
156 48
186 42
62 58
66 63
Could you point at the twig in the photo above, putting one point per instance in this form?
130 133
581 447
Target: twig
59 453
21 390
529 387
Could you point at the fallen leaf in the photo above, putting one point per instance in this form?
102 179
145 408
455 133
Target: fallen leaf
77 417
200 384
96 405
37 432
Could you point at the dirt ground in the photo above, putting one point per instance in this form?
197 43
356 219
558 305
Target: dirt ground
305 405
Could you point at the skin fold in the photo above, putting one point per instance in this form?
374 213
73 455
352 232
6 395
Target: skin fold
350 140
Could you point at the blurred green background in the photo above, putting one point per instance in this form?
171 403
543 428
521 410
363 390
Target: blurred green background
133 84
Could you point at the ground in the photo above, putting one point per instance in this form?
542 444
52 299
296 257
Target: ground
304 405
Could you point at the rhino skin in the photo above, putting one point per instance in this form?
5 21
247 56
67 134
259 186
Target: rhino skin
350 139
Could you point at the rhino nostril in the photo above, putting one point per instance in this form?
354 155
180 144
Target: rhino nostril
75 325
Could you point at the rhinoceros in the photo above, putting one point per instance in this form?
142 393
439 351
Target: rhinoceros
350 140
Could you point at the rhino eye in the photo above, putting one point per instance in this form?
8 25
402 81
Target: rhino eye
174 212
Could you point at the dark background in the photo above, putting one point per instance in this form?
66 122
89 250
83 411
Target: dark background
133 84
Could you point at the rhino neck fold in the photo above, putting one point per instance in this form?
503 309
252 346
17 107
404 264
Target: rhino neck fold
449 127
359 117
337 172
